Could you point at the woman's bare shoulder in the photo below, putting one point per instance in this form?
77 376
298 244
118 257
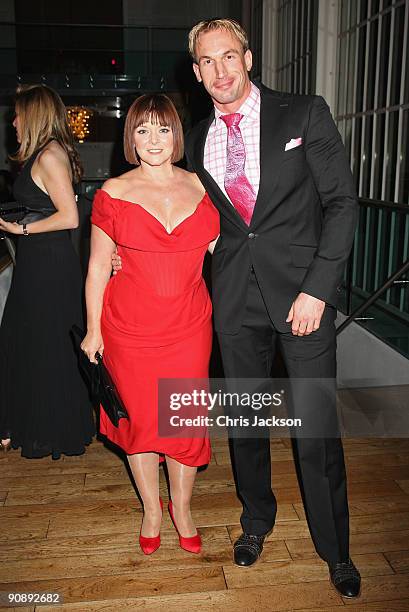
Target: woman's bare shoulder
53 153
118 185
192 178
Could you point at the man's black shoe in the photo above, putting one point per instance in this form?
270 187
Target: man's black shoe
247 549
346 579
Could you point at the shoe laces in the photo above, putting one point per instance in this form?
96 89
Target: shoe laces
344 571
247 539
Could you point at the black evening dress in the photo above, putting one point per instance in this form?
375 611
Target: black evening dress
44 403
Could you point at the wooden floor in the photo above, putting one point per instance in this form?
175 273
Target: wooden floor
70 526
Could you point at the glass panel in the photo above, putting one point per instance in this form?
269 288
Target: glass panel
397 54
342 78
360 77
378 155
391 157
351 73
385 321
348 133
404 164
372 68
374 7
397 257
279 43
359 248
299 32
363 10
344 16
368 157
356 168
384 60
353 16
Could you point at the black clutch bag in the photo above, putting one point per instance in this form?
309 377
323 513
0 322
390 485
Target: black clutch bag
13 211
101 385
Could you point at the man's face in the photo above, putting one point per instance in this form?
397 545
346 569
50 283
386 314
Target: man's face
223 68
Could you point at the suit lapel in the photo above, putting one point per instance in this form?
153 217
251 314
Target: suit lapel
216 194
274 112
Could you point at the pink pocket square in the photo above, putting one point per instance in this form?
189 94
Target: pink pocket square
294 142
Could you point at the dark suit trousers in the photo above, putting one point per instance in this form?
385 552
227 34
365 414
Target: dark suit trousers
320 460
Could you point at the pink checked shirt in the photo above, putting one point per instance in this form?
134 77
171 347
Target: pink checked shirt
215 148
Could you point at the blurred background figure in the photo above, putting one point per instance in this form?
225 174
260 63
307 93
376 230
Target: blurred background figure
45 408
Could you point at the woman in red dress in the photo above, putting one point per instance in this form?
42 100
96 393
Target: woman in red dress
153 319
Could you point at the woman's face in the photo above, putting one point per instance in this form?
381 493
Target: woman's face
153 143
17 125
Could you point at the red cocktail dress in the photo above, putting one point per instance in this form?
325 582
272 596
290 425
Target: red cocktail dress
156 318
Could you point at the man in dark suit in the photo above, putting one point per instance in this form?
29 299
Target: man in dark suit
275 167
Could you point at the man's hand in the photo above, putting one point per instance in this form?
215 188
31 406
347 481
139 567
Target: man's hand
305 314
116 262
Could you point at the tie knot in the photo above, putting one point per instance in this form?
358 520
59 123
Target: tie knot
232 120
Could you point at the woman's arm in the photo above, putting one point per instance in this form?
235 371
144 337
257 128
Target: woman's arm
53 175
99 272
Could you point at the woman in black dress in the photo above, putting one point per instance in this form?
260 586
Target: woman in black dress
44 404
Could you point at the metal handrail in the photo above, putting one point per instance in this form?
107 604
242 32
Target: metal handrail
392 206
378 205
372 298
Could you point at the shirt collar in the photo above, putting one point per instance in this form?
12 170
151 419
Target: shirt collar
250 109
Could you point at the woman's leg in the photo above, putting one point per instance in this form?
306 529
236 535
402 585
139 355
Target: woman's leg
145 470
182 478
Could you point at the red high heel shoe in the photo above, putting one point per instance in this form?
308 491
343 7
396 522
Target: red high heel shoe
192 544
149 545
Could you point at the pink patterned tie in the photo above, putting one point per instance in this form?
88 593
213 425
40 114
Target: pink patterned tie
237 186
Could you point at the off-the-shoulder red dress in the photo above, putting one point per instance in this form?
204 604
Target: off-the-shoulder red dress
156 318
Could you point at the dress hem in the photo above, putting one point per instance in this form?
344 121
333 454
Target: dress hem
161 454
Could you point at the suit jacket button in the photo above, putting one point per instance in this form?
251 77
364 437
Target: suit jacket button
251 235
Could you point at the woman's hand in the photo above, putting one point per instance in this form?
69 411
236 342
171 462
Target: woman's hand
11 228
93 343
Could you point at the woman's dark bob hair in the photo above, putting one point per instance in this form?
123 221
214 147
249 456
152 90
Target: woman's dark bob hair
156 108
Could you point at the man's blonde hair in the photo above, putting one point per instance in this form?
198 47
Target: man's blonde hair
230 25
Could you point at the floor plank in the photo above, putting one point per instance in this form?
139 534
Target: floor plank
360 543
137 584
399 560
23 529
383 588
404 485
265 599
397 503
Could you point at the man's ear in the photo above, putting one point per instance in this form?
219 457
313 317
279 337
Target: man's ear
196 70
248 58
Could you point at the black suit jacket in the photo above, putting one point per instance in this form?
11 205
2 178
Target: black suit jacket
304 218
